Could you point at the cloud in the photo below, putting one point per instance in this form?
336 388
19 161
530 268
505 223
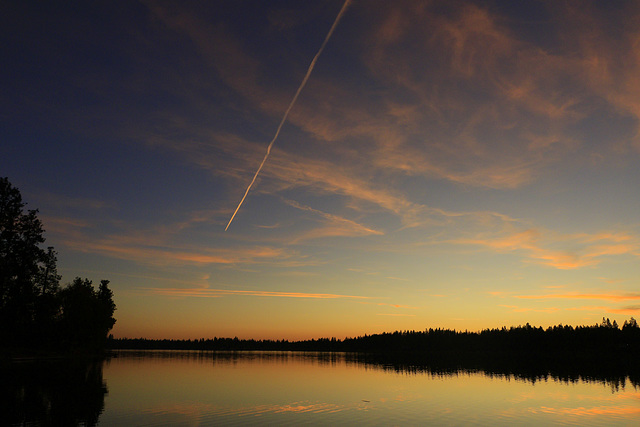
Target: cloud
464 95
62 224
538 246
216 293
278 225
609 59
396 305
293 171
389 132
518 309
221 49
287 171
395 314
629 310
162 245
291 104
588 308
59 201
174 255
602 297
334 225
471 140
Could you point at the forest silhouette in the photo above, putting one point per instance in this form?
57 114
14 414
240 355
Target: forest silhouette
605 338
36 313
602 352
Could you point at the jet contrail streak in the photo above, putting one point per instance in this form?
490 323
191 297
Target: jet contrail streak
293 101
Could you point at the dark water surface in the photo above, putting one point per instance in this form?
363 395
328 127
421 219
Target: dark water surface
189 388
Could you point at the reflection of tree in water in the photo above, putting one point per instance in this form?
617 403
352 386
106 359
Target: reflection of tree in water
56 392
540 368
615 372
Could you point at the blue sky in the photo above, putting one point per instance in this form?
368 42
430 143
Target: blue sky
447 164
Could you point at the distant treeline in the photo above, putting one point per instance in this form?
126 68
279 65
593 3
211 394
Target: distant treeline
561 340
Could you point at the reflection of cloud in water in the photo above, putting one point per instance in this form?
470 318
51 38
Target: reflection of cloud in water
187 409
200 410
616 404
596 410
523 397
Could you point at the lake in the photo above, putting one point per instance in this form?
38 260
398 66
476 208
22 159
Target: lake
190 388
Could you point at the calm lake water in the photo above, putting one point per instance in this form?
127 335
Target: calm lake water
183 388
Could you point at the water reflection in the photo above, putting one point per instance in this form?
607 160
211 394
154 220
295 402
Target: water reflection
543 369
51 392
285 388
559 370
202 388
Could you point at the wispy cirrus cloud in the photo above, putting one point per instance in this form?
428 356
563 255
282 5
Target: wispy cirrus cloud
395 128
519 309
390 305
541 246
489 149
162 245
602 53
63 224
396 314
581 296
291 104
217 293
334 226
503 139
628 310
396 305
58 201
176 256
598 308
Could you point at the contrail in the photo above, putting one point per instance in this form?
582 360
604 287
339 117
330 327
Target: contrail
293 101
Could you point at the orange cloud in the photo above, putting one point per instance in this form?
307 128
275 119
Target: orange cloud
335 226
396 305
535 245
628 310
223 51
517 309
521 124
610 63
62 225
393 125
216 293
396 314
588 308
604 297
422 122
157 247
482 50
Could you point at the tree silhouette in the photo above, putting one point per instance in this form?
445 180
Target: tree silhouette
34 310
21 263
86 315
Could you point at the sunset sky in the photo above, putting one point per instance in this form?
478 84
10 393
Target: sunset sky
448 164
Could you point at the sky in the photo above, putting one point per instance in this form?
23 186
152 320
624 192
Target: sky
447 164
